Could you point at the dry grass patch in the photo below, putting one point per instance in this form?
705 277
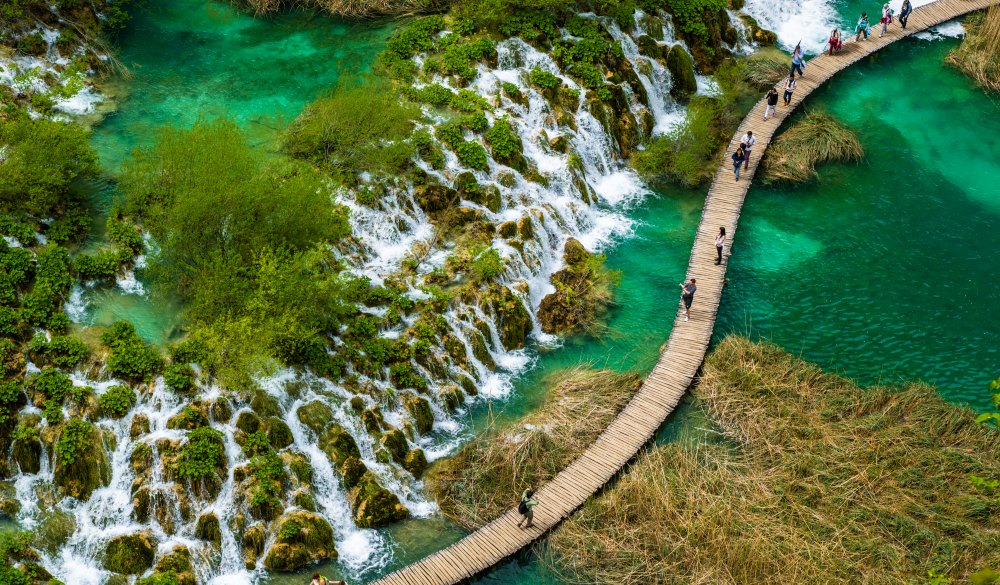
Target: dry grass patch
817 481
486 477
979 54
814 139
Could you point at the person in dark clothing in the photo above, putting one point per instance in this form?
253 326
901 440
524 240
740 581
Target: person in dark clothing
526 507
904 12
720 243
772 103
687 295
789 88
738 157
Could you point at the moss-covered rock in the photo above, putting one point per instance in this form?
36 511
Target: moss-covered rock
173 568
372 419
415 462
264 404
650 48
299 465
758 34
208 528
82 462
248 422
420 410
338 444
302 538
373 505
512 318
54 528
434 198
131 554
278 433
583 291
353 469
27 444
254 538
394 442
681 68
451 396
139 426
315 415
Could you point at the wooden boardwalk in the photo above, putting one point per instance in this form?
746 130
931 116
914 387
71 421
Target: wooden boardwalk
685 350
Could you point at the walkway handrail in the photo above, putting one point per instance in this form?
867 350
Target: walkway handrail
679 363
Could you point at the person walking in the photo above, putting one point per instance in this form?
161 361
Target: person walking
904 13
772 103
798 61
835 42
862 27
318 579
720 243
738 157
747 143
886 18
687 295
789 88
526 507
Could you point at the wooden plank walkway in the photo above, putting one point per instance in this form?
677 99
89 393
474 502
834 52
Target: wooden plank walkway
685 351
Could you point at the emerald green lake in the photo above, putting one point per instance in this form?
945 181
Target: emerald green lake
882 271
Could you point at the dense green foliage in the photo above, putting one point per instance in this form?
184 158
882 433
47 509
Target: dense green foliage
361 126
60 352
41 160
242 241
202 455
74 441
130 357
117 401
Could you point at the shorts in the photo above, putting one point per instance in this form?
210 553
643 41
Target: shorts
687 300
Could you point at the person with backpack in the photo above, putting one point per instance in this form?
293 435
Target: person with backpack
904 13
747 143
789 88
862 28
526 507
772 103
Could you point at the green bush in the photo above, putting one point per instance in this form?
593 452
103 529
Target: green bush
130 356
450 134
360 127
414 38
202 454
117 401
689 16
476 122
543 79
43 303
42 160
504 142
434 94
125 234
429 149
472 155
179 377
105 264
189 351
52 384
487 265
74 441
61 352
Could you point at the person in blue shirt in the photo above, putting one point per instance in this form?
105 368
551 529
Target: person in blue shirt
798 61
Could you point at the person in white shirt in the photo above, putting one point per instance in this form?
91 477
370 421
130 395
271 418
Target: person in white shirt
747 141
720 243
789 88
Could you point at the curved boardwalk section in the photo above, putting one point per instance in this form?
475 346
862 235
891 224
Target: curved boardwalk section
685 351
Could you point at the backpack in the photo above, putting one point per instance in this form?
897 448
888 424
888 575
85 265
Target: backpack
522 508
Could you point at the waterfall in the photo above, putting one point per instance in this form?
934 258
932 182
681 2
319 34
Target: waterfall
587 194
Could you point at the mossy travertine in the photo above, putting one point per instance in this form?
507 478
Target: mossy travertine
131 554
373 505
302 538
583 292
420 411
338 444
83 465
315 415
681 68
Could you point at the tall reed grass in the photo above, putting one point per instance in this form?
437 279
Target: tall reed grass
815 480
813 139
979 54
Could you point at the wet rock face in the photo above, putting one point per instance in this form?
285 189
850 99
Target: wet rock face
373 505
420 411
338 444
175 567
681 68
208 529
302 538
131 554
315 416
511 316
415 462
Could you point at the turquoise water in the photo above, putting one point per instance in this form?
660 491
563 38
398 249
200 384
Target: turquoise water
880 271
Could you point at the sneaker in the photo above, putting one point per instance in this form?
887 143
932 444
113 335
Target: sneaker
686 318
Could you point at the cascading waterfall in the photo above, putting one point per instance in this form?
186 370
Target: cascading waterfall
588 192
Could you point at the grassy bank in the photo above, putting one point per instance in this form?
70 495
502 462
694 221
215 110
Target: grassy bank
484 477
979 54
823 482
816 138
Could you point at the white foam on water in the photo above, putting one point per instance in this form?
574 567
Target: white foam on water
808 21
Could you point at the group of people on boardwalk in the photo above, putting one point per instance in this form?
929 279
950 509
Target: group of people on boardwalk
863 28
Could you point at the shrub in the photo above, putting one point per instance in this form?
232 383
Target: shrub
450 134
43 304
689 16
487 265
472 155
52 384
61 352
428 149
189 351
434 94
359 127
544 79
202 454
504 142
125 234
130 356
476 122
104 264
179 377
117 401
74 441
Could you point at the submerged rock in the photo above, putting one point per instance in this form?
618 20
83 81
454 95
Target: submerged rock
131 554
303 537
